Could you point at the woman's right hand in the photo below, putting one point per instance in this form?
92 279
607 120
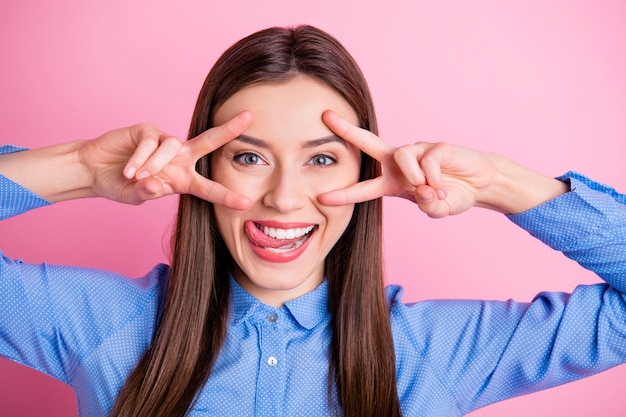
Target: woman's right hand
140 163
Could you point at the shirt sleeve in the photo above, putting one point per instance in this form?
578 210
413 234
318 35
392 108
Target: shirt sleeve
481 352
54 317
587 224
15 199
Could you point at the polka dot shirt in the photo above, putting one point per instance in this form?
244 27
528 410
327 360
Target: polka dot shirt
88 328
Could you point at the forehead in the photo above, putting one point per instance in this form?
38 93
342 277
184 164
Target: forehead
291 109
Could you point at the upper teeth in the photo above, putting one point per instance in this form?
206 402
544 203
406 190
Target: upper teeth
287 233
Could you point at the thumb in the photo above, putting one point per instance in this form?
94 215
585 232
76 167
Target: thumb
143 190
427 200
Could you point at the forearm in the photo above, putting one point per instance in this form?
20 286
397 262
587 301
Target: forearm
55 173
517 188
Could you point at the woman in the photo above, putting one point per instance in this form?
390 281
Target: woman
274 303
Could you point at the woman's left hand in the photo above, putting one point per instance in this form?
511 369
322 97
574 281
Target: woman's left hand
440 178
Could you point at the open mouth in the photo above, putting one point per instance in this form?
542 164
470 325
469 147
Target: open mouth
279 240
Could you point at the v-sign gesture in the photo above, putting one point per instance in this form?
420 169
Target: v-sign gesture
155 164
129 165
440 178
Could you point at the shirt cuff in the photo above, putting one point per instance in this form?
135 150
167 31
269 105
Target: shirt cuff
11 148
590 208
15 199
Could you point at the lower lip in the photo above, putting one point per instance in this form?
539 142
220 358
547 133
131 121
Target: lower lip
281 257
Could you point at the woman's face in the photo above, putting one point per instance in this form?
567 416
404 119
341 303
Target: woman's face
283 162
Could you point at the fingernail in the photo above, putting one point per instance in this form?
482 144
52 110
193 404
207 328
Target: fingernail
142 175
130 171
441 194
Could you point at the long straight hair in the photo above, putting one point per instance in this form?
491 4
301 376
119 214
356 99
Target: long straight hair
193 323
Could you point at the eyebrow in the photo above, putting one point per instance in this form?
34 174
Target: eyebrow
308 144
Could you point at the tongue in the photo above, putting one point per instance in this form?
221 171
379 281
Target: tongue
261 239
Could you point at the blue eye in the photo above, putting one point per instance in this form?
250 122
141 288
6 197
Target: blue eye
322 159
249 158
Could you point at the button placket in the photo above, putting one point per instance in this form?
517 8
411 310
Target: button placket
272 367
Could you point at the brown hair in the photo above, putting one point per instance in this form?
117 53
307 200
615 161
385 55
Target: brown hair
193 323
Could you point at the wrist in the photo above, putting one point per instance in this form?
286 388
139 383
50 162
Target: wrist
78 180
54 173
516 188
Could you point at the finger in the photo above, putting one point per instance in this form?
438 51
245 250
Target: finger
151 187
428 201
406 158
356 193
140 191
361 138
147 139
421 163
215 137
431 162
166 151
216 193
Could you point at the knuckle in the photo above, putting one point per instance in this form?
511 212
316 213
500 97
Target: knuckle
428 160
441 146
148 138
147 130
148 127
211 192
171 142
403 153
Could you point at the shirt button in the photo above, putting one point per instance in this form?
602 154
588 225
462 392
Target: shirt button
272 318
272 361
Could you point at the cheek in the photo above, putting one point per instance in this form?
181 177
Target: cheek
338 219
334 181
323 180
224 219
223 173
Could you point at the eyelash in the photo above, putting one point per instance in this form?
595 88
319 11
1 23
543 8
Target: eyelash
240 158
329 158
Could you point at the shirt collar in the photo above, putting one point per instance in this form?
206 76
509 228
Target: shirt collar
311 308
308 310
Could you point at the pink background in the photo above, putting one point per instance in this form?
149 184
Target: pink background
541 81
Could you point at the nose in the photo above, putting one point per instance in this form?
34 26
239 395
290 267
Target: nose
285 192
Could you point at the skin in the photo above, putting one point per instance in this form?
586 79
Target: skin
442 179
284 161
130 165
140 163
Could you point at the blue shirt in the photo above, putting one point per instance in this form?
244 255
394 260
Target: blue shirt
88 328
